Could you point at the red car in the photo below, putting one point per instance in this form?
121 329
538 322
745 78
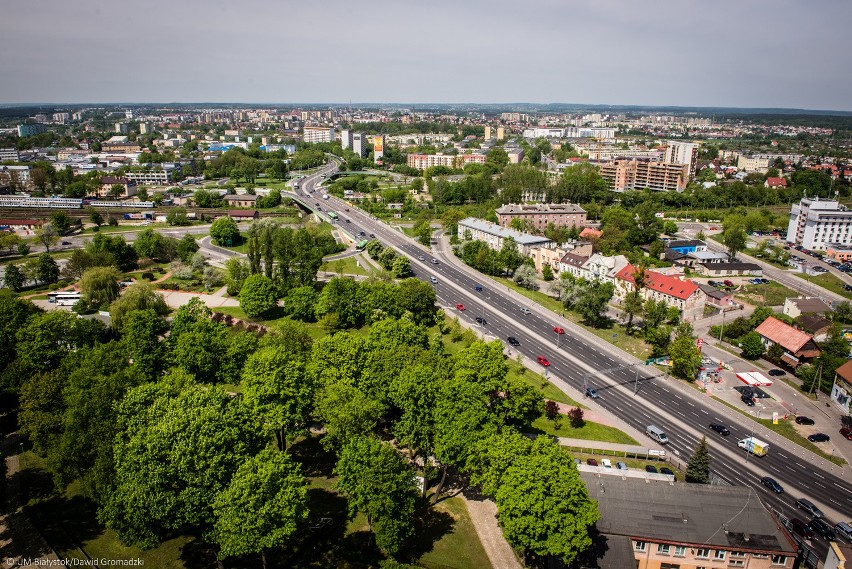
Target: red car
543 361
558 330
728 283
846 433
460 306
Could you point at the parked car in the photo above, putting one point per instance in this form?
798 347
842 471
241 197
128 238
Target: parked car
819 438
721 429
543 361
460 307
666 470
777 372
748 400
823 528
728 282
650 468
801 528
513 341
809 507
802 420
620 465
591 462
772 484
66 242
846 433
592 392
606 463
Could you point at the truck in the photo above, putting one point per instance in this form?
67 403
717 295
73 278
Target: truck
754 446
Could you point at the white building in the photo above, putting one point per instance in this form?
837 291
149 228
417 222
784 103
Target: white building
678 152
753 164
359 144
587 132
9 154
815 223
153 178
423 161
494 235
378 147
314 134
346 138
544 132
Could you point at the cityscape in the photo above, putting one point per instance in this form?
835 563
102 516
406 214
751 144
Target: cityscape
428 332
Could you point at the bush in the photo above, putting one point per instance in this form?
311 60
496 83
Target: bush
148 276
576 416
258 295
551 409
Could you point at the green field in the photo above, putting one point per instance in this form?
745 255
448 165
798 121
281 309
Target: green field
770 294
346 266
829 282
590 431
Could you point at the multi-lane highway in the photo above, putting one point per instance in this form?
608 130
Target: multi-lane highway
682 412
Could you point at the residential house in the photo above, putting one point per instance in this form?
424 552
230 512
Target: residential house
799 347
553 257
815 325
795 307
655 525
841 392
128 187
243 214
681 294
591 233
572 263
25 225
729 268
717 297
772 182
241 200
604 269
686 246
839 556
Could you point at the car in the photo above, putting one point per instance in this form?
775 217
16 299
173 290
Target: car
650 468
620 465
477 288
319 208
460 307
666 470
847 287
802 420
513 341
823 528
558 330
772 484
481 321
846 433
543 361
721 429
592 392
434 261
347 221
819 438
66 243
591 462
578 461
421 258
844 529
347 209
525 310
748 400
801 528
777 372
434 280
809 507
727 282
606 463
372 235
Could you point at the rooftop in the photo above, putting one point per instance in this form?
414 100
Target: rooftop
788 337
515 209
810 305
503 232
663 284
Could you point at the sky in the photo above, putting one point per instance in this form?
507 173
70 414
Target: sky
725 53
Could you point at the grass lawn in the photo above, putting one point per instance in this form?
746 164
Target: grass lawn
770 294
547 389
346 266
786 430
828 281
591 431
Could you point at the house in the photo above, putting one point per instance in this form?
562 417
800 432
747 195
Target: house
572 263
128 187
841 392
799 347
839 556
815 325
775 183
25 225
553 257
686 246
652 525
243 214
242 200
590 233
729 268
716 297
677 293
602 268
795 307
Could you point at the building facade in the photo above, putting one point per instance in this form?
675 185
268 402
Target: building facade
622 175
678 152
753 164
359 144
684 295
540 216
815 224
423 161
30 129
152 178
494 235
314 134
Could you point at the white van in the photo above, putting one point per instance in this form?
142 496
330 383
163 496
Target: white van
657 434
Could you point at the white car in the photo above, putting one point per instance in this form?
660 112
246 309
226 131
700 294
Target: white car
434 280
606 463
525 310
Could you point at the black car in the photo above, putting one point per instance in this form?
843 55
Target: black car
802 420
66 242
592 392
809 507
372 234
823 528
772 484
819 438
665 470
777 372
651 469
721 429
801 528
481 320
748 400
513 341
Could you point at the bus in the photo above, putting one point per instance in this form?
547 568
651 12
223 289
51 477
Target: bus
361 245
332 216
63 298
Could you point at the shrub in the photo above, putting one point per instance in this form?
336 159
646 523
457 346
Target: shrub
148 275
551 409
576 416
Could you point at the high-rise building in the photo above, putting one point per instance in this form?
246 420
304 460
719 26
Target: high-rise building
30 129
621 175
501 133
378 148
678 152
61 118
346 138
487 133
143 128
359 144
816 223
314 134
121 128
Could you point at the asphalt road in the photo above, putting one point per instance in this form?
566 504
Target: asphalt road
683 413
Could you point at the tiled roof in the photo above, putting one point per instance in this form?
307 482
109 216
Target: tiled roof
574 260
588 232
845 371
788 337
663 284
776 182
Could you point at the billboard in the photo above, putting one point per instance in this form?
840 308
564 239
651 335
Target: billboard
379 144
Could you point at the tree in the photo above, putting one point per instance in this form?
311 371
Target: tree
186 247
14 313
752 345
734 239
175 451
47 236
380 484
96 217
47 269
13 278
177 216
346 412
547 273
148 244
698 467
543 506
669 227
594 300
60 221
23 249
633 301
258 295
224 230
401 267
300 303
236 270
279 391
47 338
137 297
262 507
99 286
684 353
526 277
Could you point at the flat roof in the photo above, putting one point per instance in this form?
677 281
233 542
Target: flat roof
499 231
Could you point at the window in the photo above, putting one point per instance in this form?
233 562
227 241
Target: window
719 555
702 553
669 566
639 546
663 549
779 560
733 563
680 551
739 554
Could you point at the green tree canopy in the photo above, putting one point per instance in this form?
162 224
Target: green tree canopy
224 230
99 286
139 296
258 295
698 467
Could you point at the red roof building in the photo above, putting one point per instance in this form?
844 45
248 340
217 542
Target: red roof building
798 346
775 182
683 295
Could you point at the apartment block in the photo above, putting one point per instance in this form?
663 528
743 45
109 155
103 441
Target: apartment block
678 152
359 144
423 161
30 129
314 134
621 175
753 164
9 154
815 224
494 235
540 216
152 178
346 138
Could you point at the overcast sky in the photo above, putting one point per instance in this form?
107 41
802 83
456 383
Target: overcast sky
732 53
